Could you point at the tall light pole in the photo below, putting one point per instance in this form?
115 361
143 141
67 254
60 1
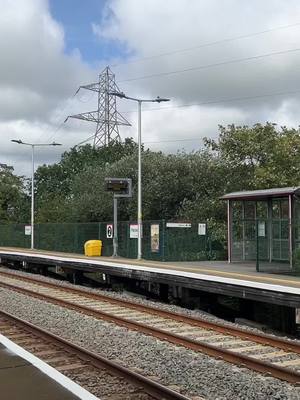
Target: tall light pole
33 145
139 213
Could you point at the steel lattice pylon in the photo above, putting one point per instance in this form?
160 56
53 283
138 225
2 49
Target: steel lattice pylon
106 116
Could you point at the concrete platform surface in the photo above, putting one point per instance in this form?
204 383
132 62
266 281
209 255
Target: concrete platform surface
20 380
237 271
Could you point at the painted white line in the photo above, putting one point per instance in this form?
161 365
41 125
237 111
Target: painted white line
193 275
48 370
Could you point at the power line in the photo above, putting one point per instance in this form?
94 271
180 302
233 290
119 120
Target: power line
47 131
187 49
174 140
233 99
206 66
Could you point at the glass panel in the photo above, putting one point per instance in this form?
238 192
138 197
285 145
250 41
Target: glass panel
297 209
284 208
276 229
276 250
284 250
250 230
262 209
275 208
249 209
237 210
284 230
237 231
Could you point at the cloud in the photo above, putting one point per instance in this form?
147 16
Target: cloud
36 77
154 27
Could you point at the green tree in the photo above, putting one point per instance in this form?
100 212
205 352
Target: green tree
14 204
54 182
261 156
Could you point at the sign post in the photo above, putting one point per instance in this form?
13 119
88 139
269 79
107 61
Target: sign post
115 239
121 187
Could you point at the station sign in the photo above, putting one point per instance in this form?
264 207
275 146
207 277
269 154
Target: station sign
178 225
201 229
134 231
109 231
27 230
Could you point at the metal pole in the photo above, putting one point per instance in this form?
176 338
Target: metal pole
257 246
115 238
139 253
32 198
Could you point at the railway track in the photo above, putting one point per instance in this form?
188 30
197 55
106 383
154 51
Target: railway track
263 353
108 379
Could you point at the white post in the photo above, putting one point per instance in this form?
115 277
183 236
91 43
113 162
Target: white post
139 216
32 198
229 230
115 233
290 231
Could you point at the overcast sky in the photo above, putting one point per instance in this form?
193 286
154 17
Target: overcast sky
220 62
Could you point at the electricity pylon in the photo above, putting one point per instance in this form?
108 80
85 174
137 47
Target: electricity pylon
106 116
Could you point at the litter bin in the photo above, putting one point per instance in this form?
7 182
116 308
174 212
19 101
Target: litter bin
93 248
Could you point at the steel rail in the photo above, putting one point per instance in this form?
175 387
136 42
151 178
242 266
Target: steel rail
241 360
151 387
265 339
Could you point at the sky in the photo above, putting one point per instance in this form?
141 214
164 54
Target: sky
220 63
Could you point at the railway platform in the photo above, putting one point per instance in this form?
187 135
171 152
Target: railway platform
218 277
24 376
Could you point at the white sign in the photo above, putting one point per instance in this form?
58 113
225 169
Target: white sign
28 230
202 229
133 231
154 232
178 225
261 229
109 231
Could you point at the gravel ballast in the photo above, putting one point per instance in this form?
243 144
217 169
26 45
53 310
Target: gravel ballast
195 373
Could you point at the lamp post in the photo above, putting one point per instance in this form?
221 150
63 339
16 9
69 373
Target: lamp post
33 145
139 213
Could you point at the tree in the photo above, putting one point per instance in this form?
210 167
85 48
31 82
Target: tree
263 155
14 204
54 182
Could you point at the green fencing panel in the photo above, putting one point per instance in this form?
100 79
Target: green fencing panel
13 235
160 242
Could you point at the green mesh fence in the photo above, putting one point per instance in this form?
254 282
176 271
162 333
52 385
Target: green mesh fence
160 242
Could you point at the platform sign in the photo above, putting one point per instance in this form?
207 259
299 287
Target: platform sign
27 230
178 225
202 229
261 229
154 238
134 231
109 231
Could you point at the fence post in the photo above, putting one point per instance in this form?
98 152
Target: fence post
99 230
163 240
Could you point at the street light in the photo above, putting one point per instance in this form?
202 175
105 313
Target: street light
33 145
139 101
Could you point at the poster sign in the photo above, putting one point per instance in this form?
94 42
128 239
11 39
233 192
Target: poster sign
178 225
154 238
109 231
28 230
133 231
202 229
261 229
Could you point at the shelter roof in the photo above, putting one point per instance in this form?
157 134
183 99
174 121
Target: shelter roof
261 194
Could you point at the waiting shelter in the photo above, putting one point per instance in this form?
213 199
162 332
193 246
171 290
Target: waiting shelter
264 226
